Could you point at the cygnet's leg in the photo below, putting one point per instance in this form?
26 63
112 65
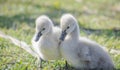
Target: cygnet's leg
39 63
41 60
66 65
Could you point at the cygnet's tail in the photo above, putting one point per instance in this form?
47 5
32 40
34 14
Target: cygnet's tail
19 43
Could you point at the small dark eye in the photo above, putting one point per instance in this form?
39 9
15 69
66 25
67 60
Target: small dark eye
68 27
43 29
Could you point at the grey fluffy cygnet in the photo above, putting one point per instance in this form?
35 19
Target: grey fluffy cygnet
46 39
81 52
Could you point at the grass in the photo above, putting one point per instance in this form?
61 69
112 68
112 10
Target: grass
98 20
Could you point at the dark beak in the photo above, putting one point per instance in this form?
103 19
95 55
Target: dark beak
63 35
39 34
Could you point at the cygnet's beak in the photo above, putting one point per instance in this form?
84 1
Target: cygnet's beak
63 35
38 35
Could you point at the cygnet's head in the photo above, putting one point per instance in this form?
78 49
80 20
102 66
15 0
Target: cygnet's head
67 24
43 26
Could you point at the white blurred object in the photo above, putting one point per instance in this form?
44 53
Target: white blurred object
46 39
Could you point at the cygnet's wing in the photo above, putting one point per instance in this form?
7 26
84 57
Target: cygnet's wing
83 52
83 49
94 48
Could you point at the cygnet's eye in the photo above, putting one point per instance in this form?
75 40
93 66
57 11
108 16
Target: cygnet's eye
43 29
68 27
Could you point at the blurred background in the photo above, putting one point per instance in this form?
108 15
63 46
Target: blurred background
99 20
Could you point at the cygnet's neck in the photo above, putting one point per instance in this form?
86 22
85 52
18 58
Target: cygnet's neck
74 35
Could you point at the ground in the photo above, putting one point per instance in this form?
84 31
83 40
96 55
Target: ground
99 20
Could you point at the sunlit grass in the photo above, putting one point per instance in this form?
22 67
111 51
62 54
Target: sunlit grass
98 20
